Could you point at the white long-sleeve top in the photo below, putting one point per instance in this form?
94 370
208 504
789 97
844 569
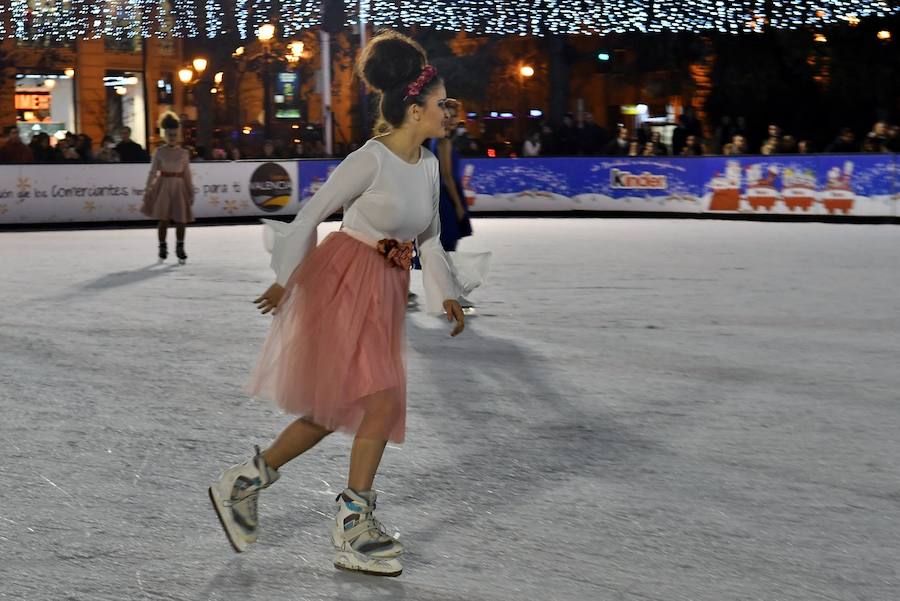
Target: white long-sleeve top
383 196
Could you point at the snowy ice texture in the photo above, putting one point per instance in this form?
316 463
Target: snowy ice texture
644 410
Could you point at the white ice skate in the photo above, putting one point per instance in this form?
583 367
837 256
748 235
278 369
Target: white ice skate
468 307
362 543
235 497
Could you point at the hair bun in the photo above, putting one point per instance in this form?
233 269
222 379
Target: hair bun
390 61
169 121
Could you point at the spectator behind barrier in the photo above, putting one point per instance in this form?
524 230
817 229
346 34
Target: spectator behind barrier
107 152
130 151
12 149
41 150
532 145
844 143
620 145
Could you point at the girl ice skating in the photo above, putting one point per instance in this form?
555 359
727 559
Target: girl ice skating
169 194
335 351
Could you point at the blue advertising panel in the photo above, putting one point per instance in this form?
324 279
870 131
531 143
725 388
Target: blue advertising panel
828 185
311 175
857 185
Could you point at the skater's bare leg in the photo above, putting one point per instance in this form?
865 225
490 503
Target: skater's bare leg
364 460
179 232
296 439
371 438
161 230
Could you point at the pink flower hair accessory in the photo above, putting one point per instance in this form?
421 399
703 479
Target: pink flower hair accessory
415 88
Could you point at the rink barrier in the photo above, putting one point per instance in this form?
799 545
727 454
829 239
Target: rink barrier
832 186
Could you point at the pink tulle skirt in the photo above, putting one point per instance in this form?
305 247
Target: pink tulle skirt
338 340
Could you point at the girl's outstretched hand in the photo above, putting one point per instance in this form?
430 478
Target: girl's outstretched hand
269 300
455 313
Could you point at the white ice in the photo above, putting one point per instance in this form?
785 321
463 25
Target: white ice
643 410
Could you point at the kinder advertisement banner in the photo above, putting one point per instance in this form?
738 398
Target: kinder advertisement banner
76 193
851 185
586 184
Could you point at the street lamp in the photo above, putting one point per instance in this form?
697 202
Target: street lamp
200 64
525 72
264 34
296 52
186 77
273 54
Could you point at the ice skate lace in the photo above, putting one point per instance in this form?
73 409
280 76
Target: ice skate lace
252 504
372 523
253 507
375 523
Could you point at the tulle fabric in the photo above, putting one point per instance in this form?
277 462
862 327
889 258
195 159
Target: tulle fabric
338 339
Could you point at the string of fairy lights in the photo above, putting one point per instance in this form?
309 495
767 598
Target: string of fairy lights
120 19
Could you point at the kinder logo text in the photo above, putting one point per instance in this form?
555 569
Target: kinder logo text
625 180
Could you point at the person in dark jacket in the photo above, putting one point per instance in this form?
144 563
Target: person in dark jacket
619 146
13 150
130 151
844 143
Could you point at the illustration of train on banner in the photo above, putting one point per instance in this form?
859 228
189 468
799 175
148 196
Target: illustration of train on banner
821 185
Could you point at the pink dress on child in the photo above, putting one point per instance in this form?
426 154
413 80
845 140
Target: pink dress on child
169 194
338 337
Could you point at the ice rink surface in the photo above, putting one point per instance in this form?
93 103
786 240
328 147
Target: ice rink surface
643 410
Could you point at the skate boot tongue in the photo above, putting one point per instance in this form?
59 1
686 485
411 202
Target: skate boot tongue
268 475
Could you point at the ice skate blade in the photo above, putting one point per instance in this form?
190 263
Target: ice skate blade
238 545
354 562
182 261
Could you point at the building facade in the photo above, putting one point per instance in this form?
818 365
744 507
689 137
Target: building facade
94 87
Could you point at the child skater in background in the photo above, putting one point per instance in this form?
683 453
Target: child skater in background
169 194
